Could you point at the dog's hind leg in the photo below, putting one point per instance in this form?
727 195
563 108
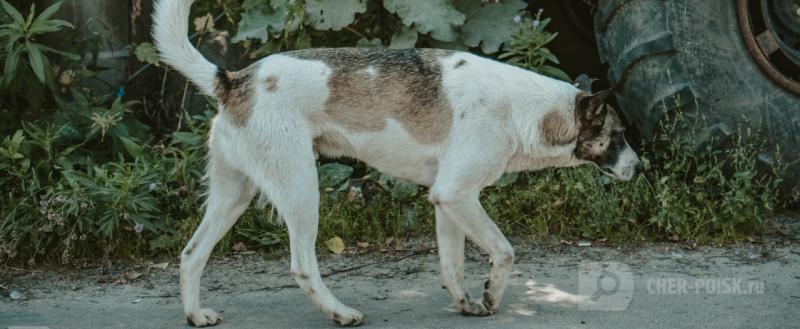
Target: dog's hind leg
229 194
292 187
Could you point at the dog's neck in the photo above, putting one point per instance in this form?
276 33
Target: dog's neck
537 159
532 151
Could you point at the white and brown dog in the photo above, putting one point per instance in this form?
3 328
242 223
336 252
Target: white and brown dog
449 120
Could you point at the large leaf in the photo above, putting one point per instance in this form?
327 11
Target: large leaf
491 25
437 17
333 15
259 18
332 174
405 38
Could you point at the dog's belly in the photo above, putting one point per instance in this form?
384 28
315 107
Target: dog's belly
391 151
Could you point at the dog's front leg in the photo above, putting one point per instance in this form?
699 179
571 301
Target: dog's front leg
469 165
477 225
450 242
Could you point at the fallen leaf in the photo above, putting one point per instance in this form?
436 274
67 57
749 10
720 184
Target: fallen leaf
566 242
204 23
674 237
239 247
335 245
160 265
135 275
363 245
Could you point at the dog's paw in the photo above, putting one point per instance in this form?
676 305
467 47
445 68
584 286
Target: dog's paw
203 318
347 317
477 308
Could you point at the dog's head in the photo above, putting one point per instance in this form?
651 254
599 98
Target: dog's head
601 137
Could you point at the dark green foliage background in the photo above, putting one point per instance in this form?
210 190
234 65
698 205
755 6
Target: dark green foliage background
86 175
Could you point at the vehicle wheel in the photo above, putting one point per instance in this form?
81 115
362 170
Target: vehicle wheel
736 62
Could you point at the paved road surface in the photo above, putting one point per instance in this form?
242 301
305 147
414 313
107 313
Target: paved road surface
552 287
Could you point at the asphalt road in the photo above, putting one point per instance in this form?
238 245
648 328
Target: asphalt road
552 287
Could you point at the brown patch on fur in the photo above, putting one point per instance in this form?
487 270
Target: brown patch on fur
333 144
556 130
272 83
235 92
460 63
406 86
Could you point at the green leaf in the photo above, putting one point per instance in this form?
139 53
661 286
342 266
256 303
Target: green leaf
49 12
80 178
405 38
70 56
11 11
555 73
437 17
402 189
147 53
491 25
133 148
333 15
332 174
190 139
10 69
259 18
38 61
48 26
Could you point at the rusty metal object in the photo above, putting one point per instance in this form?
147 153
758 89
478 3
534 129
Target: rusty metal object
761 46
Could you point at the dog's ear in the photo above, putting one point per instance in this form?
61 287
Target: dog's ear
591 109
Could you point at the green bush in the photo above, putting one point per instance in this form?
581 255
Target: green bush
85 178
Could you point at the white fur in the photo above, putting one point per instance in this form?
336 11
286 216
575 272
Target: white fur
495 129
170 31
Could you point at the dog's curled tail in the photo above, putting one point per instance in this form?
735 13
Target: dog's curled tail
170 33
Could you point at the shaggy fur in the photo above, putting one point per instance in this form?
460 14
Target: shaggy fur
449 120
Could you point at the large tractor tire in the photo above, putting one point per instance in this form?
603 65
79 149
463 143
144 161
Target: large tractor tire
736 62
